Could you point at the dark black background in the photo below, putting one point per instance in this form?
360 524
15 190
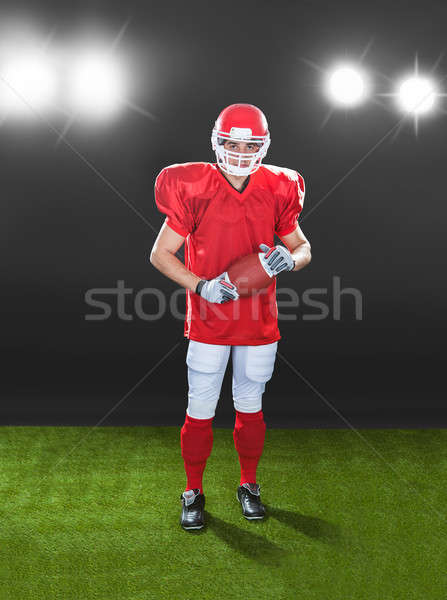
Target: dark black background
64 230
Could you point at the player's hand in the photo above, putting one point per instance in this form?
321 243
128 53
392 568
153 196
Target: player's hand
275 259
219 290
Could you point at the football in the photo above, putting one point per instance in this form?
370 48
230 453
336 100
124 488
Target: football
248 275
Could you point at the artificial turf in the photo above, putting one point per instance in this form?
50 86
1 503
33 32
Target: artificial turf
94 514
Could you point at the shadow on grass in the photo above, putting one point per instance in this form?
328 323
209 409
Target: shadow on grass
312 527
252 545
256 547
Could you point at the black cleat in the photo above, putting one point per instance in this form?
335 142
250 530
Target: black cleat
249 496
193 505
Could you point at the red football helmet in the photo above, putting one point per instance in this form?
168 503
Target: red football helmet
240 123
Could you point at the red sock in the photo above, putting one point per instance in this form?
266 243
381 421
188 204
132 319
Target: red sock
196 440
249 435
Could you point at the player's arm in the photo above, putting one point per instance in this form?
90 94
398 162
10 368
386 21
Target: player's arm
298 246
163 258
217 290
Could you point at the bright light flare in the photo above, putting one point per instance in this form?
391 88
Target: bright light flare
346 86
416 95
97 86
27 84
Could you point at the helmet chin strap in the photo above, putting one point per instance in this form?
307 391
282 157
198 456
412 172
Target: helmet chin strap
237 172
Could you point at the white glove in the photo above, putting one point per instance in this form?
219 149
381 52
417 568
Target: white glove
275 259
219 290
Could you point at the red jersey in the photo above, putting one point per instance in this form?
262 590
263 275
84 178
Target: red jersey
221 225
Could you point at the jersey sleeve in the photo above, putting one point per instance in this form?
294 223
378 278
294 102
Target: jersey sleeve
291 206
170 201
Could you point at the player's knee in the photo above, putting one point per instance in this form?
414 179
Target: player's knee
202 406
203 393
248 404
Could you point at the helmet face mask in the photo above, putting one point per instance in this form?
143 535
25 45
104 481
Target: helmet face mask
240 123
238 163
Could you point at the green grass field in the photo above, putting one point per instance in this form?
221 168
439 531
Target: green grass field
94 514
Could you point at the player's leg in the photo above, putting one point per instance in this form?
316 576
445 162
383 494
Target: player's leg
206 369
252 368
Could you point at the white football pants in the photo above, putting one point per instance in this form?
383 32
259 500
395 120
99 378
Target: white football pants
207 363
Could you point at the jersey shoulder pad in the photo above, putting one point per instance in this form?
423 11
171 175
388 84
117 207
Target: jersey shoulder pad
189 172
282 178
281 173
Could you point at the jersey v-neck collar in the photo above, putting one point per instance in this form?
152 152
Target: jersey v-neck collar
233 190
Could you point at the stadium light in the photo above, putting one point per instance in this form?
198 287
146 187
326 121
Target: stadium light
27 84
416 95
346 86
96 87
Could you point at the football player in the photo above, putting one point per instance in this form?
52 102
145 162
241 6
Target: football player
223 211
